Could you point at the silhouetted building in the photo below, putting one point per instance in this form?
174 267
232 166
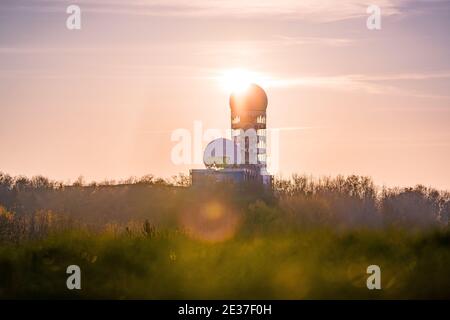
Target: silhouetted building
244 158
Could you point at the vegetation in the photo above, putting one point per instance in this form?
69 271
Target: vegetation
150 238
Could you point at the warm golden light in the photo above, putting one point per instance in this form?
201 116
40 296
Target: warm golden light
213 211
238 80
210 221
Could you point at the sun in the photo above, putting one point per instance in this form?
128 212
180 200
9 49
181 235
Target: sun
238 80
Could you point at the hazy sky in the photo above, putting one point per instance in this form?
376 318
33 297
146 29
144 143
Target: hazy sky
103 101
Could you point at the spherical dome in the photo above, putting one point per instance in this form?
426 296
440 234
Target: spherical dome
252 98
221 153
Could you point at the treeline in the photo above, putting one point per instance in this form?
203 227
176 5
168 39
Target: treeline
95 201
298 202
8 182
355 200
13 188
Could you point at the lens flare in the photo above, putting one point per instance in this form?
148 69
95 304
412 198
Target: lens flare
213 221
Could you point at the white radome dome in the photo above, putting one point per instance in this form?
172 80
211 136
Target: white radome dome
221 153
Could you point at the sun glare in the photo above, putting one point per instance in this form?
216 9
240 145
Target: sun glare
238 80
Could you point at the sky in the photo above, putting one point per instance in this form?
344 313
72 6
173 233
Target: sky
104 101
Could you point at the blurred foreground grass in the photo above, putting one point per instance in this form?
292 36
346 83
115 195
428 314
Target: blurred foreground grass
309 264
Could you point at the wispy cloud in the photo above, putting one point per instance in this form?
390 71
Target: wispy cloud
206 46
311 10
296 128
325 41
372 84
379 84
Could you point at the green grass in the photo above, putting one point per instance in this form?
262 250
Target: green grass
317 263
